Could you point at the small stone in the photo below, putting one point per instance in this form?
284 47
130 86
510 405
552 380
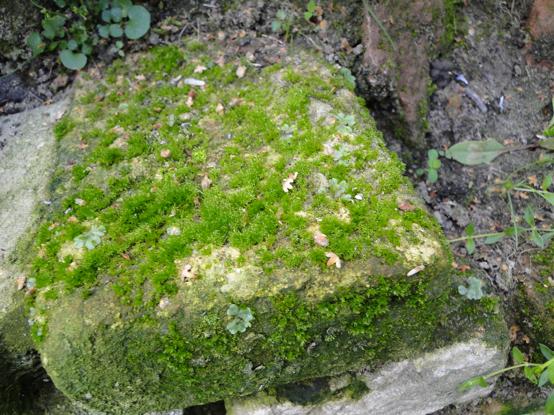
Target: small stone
241 70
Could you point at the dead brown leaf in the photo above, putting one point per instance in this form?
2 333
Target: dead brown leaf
321 239
333 260
287 183
406 206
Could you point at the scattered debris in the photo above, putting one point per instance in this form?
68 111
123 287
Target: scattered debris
415 270
194 82
321 239
241 70
333 260
187 273
287 183
461 79
471 94
205 183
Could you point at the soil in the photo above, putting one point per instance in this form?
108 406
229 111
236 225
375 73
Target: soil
494 55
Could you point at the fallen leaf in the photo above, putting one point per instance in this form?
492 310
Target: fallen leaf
241 70
406 206
164 303
533 180
287 183
140 77
200 69
333 260
514 329
72 219
220 61
320 238
323 25
221 35
165 153
206 182
415 270
219 108
187 273
80 202
82 145
21 282
126 256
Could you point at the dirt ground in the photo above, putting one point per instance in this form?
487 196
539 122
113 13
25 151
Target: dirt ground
492 53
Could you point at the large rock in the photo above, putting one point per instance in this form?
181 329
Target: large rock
414 386
27 157
213 234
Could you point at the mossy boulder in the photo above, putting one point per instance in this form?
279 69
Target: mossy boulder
217 228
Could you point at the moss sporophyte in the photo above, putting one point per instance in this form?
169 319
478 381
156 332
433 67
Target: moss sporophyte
184 244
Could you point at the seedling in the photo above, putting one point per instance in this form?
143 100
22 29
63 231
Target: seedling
539 374
241 319
310 10
346 123
282 23
91 238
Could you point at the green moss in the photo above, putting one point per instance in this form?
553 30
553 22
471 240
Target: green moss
176 182
63 127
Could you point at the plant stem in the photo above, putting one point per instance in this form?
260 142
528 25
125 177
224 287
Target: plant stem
481 235
507 369
513 217
383 29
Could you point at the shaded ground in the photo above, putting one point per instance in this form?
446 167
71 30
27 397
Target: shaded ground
493 54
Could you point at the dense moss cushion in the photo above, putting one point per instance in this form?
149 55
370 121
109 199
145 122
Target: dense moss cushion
214 232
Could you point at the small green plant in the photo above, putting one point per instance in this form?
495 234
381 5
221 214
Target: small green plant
347 75
538 236
474 290
241 319
283 23
339 190
77 26
91 238
539 374
433 166
310 10
346 123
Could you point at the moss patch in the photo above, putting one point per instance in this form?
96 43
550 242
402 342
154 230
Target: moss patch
179 186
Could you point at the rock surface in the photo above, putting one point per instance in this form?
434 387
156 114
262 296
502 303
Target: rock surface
27 157
416 386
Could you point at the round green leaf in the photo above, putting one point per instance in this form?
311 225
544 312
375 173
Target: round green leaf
34 42
116 14
104 31
72 60
139 22
72 44
119 44
116 30
106 15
